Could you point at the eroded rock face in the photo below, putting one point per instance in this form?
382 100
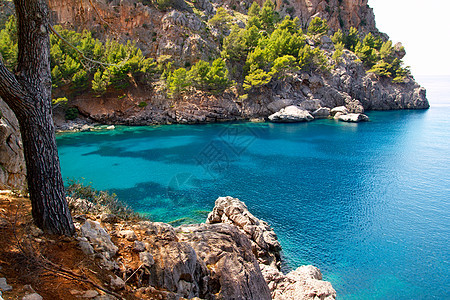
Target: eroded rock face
232 256
12 161
264 241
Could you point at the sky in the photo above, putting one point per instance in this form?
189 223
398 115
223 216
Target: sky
423 27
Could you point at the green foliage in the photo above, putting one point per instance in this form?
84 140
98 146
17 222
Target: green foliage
254 10
142 104
338 37
311 58
351 39
256 78
317 27
72 113
368 55
60 102
220 20
268 16
100 82
212 78
164 4
80 80
8 43
338 51
103 202
283 65
177 82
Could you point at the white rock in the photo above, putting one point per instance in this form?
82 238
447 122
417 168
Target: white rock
321 113
291 114
34 296
354 118
98 237
341 109
146 258
4 286
128 234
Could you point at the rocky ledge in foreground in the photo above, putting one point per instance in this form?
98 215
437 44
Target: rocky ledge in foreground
234 255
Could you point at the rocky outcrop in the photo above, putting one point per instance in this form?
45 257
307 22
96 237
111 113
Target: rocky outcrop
353 118
12 161
291 114
234 255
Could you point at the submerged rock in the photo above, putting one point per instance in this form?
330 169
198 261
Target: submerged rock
291 114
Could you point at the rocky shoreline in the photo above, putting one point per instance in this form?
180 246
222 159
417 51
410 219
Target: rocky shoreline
233 255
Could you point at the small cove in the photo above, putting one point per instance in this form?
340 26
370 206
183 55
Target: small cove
367 203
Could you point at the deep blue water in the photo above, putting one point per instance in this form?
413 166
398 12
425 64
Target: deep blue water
368 203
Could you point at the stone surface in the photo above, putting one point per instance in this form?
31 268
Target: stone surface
231 210
128 234
117 283
321 113
98 237
303 283
339 109
235 272
291 114
34 296
146 258
138 246
354 118
12 161
4 286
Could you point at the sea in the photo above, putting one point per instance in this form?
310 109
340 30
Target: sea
367 203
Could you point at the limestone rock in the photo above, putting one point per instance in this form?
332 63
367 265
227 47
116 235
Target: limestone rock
291 114
138 246
4 286
235 273
303 283
98 237
354 118
339 109
130 235
231 210
12 161
33 296
117 283
108 218
321 113
146 258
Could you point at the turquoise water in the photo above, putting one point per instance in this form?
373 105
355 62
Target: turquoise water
369 203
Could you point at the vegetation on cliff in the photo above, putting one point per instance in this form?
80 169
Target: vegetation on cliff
267 47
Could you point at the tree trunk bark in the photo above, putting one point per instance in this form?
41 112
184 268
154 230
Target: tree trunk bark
28 94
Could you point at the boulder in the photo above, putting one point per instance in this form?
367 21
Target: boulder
354 118
321 113
303 283
33 296
98 237
291 114
231 210
130 235
234 270
341 109
4 286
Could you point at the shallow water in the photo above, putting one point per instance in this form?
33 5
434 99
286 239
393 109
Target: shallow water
368 203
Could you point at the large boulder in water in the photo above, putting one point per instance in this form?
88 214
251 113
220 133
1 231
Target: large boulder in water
353 118
291 114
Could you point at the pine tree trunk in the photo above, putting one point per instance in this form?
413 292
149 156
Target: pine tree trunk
28 94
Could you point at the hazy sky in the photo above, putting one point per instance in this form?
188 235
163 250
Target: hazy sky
423 27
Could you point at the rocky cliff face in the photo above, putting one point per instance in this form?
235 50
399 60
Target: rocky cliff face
348 85
234 255
12 163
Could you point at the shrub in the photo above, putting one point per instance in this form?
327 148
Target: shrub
72 113
104 202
